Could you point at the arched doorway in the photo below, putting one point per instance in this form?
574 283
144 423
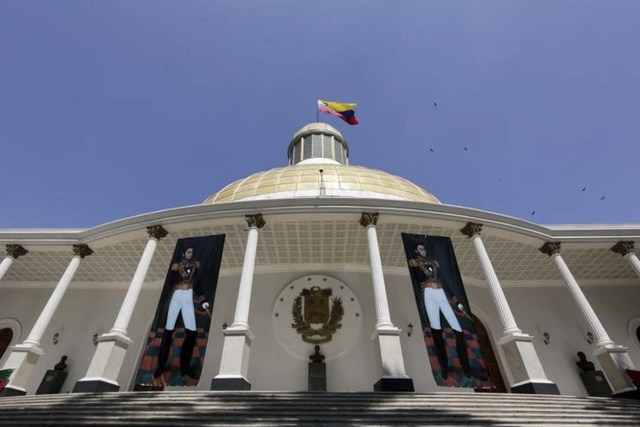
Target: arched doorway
490 359
6 335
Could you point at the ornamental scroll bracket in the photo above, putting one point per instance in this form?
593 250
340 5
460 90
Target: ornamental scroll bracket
15 251
623 248
550 248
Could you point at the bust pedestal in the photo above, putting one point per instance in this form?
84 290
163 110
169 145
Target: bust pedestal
52 382
595 383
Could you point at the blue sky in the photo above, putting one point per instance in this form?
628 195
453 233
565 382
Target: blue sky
112 109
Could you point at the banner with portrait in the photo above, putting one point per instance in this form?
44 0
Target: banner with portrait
447 323
177 341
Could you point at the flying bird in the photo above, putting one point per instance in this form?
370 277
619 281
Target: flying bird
500 179
466 149
533 212
431 149
584 188
435 105
602 198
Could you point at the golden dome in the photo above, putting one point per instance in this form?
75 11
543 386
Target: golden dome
336 180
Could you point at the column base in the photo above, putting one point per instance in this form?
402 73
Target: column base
94 386
631 394
614 361
389 355
234 364
105 365
230 384
532 387
525 368
22 362
394 384
8 392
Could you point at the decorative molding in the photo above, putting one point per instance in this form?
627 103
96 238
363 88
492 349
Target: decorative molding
157 232
14 251
369 218
255 221
471 229
550 248
82 250
623 248
570 233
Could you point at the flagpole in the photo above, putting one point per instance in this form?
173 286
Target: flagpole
317 111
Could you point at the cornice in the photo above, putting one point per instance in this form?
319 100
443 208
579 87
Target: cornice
386 208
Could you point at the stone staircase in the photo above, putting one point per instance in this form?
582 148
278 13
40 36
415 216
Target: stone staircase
189 408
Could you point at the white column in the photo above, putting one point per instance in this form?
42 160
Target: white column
626 250
507 320
105 366
56 297
24 357
383 318
613 358
634 261
234 364
241 317
13 252
391 368
525 371
5 264
601 336
128 305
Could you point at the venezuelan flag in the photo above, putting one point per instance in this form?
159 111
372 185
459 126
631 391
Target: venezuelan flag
343 111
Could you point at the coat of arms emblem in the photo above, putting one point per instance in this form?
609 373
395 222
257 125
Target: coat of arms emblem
312 317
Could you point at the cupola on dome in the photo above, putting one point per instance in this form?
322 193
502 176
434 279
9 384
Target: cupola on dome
319 167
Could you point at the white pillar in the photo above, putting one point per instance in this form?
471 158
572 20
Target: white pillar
24 357
634 261
241 317
526 373
5 264
105 366
626 250
56 297
601 337
391 368
13 252
383 318
121 324
234 365
613 358
507 320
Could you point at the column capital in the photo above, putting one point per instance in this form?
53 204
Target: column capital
157 232
623 248
255 221
369 218
14 251
471 229
550 248
82 250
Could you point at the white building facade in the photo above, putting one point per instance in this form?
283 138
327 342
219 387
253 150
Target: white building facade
542 293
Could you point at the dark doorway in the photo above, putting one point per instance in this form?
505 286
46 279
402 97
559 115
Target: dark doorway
490 359
6 335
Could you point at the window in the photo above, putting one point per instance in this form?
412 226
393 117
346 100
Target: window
326 147
317 145
296 153
339 152
307 148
